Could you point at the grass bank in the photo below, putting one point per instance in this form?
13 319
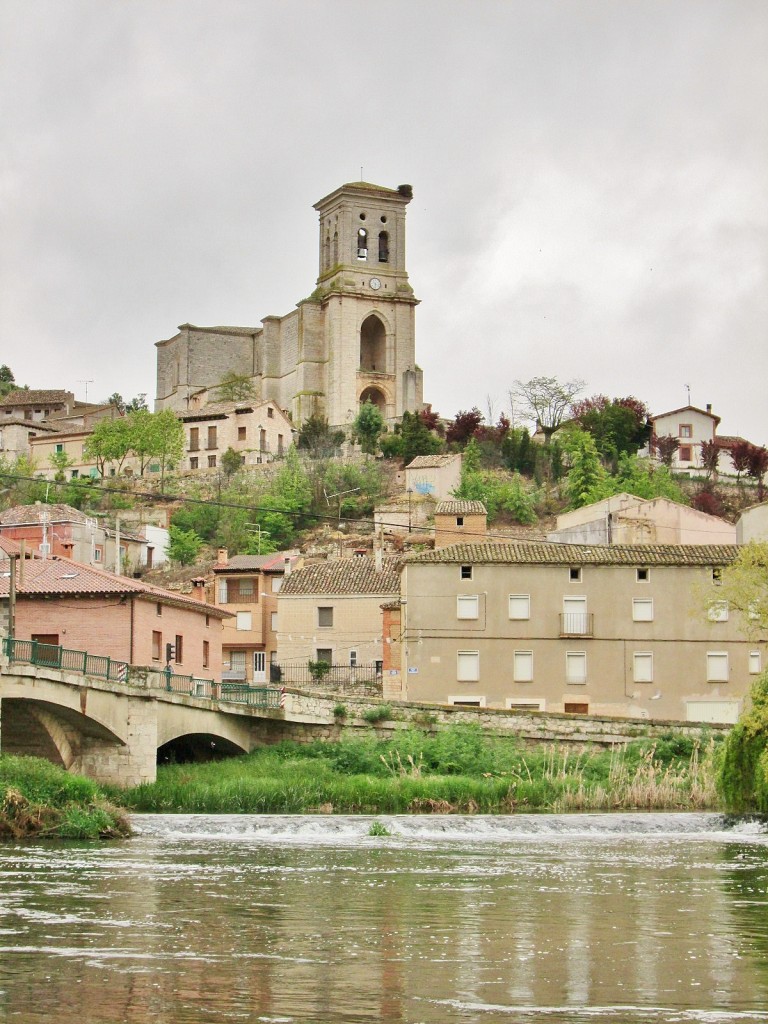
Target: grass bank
39 800
457 770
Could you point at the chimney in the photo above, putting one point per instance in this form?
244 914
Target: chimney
287 565
709 407
198 589
223 556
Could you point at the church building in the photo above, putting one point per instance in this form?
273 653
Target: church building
351 341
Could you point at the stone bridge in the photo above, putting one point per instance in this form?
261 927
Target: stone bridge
115 732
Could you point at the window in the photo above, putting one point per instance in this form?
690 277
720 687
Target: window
643 575
237 663
459 520
98 553
465 572
325 616
467 702
246 588
159 608
686 430
383 247
211 442
75 474
574 573
519 606
244 620
194 439
206 653
718 611
279 444
642 668
325 654
575 709
468 666
223 592
273 622
194 463
755 663
467 607
157 645
59 449
717 667
522 666
642 609
241 433
685 454
353 659
211 462
362 244
717 574
270 412
179 645
576 667
277 582
575 619
514 704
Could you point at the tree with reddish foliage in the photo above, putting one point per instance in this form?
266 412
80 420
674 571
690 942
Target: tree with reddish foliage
463 427
619 426
708 500
664 448
757 467
740 453
431 420
710 456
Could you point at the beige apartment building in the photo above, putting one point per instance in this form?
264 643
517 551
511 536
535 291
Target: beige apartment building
258 431
615 630
247 586
332 612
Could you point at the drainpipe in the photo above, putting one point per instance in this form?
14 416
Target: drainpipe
117 546
130 636
12 598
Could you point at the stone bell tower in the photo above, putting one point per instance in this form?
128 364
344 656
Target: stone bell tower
367 301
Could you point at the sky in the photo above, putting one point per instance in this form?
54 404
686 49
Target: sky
590 185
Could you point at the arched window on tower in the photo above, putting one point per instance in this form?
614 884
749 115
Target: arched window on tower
373 345
327 252
383 247
362 244
335 249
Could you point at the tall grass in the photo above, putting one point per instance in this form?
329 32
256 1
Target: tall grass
457 770
38 799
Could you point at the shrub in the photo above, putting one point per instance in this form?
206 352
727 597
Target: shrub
380 713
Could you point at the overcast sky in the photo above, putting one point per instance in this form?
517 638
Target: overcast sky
590 184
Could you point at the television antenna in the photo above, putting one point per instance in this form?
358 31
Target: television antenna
86 382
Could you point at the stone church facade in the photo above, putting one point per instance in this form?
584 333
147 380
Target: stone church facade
351 341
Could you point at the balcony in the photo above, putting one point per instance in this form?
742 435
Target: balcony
576 624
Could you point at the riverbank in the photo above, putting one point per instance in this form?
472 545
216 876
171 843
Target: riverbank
40 801
456 770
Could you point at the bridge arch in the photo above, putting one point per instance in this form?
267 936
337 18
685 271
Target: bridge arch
197 747
39 728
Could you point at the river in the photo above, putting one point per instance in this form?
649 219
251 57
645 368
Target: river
627 919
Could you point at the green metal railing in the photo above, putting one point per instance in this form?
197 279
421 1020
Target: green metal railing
33 652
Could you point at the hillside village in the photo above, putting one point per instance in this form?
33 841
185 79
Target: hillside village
294 514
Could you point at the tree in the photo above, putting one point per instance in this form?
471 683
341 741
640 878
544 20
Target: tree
235 387
109 442
744 586
317 437
740 453
431 420
757 467
367 426
61 463
618 425
184 545
135 404
586 475
664 448
463 427
412 437
231 462
710 457
7 380
156 435
545 401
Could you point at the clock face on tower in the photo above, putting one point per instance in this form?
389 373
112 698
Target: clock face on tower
375 283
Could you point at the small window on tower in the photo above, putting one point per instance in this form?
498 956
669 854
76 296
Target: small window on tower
383 247
362 244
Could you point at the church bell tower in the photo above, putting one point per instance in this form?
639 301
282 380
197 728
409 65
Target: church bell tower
368 302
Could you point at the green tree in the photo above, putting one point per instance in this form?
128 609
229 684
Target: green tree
744 586
319 439
620 426
231 462
184 545
586 475
7 380
412 437
158 435
61 462
109 442
235 387
368 425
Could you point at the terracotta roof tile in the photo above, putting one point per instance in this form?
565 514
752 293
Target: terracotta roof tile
537 553
23 397
461 508
355 575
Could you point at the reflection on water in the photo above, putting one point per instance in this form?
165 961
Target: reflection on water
631 918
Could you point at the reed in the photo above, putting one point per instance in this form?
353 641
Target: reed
457 770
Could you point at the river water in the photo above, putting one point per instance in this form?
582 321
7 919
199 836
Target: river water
627 919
